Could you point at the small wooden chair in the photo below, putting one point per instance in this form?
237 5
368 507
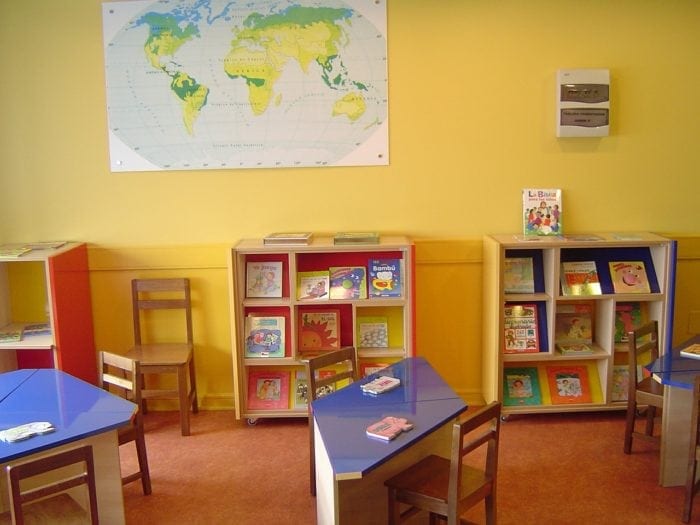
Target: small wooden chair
643 391
121 373
338 365
447 487
165 358
692 486
55 506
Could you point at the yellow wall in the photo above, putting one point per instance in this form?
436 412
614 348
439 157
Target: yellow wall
471 123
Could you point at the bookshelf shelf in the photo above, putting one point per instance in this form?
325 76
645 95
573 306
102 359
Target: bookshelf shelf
607 352
319 255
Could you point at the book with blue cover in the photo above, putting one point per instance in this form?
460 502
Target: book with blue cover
385 278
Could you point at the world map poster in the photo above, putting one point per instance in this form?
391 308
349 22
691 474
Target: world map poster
222 84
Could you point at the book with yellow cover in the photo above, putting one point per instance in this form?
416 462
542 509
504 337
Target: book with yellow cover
629 277
580 278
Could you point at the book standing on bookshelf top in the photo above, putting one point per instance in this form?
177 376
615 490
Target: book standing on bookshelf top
306 320
578 332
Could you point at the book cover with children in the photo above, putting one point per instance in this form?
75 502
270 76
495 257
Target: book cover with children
542 212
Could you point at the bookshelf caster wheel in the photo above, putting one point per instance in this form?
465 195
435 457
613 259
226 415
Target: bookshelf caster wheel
505 418
252 421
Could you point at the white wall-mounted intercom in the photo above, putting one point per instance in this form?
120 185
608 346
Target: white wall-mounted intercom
583 102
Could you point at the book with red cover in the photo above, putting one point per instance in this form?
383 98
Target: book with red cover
268 389
319 330
568 384
629 277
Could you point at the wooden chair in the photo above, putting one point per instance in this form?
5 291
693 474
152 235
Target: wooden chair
56 506
692 486
324 373
447 487
121 373
165 358
643 391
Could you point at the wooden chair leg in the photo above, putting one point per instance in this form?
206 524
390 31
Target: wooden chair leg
691 488
193 387
394 510
143 462
629 426
651 414
184 400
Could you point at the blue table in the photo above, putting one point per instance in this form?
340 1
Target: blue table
350 466
82 414
677 374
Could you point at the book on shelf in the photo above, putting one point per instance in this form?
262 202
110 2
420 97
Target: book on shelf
318 330
348 282
301 389
521 333
580 278
518 275
288 238
627 317
385 278
620 383
629 277
11 334
356 238
313 286
45 245
14 250
264 336
369 368
521 386
264 279
583 237
568 384
692 351
573 328
388 428
268 389
36 329
542 211
372 332
325 389
381 384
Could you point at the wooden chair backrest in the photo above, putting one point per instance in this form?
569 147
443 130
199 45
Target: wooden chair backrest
641 340
29 469
148 294
122 373
481 428
332 361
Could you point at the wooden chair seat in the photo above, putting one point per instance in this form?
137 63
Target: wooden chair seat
446 488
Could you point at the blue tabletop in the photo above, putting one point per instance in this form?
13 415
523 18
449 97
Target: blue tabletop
342 417
77 409
674 369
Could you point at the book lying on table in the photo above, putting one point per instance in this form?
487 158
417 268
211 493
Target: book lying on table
692 351
22 432
388 428
381 384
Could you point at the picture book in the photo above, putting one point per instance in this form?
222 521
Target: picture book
312 286
11 334
579 278
692 351
367 369
325 389
568 384
385 278
301 389
520 327
627 317
268 389
356 238
629 277
288 238
542 212
521 386
264 279
318 330
372 332
388 428
348 282
574 323
620 382
518 276
264 336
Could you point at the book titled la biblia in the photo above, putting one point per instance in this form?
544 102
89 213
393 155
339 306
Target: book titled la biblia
542 212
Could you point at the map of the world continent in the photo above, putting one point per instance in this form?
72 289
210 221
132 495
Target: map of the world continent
222 84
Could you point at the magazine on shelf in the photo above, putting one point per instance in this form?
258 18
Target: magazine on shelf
521 386
542 212
313 286
318 330
264 336
629 277
568 384
385 278
372 332
264 279
288 238
388 428
518 276
580 278
521 333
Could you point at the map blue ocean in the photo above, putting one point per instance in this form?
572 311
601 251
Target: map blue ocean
221 84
